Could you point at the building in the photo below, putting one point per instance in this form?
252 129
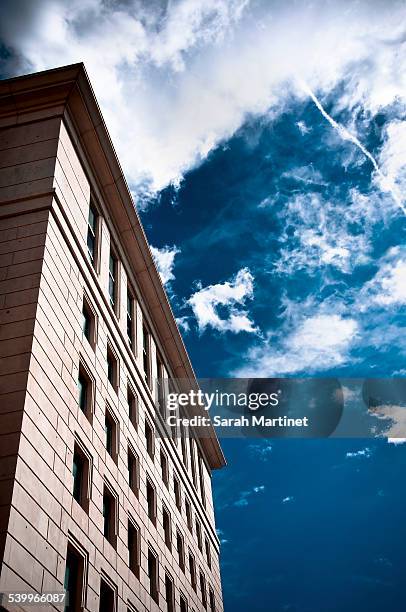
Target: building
91 498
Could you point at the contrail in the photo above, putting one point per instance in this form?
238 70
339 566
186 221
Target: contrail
388 183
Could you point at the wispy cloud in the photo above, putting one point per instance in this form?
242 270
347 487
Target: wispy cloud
319 342
232 296
175 79
261 450
246 496
363 453
288 499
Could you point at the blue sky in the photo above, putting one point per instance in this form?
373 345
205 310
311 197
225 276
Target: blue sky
265 144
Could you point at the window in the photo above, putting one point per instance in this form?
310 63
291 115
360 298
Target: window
208 552
164 468
183 445
80 473
192 461
169 593
183 603
88 322
146 355
92 235
166 523
203 590
113 285
109 516
107 600
192 569
153 574
130 319
181 550
84 391
201 479
112 368
133 471
199 535
151 501
73 581
160 386
176 489
212 600
134 548
132 401
189 515
111 437
149 439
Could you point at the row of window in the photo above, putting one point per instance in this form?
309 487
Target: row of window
113 293
75 578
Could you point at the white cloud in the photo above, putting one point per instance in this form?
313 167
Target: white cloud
303 128
175 79
231 295
288 499
365 452
165 261
316 343
388 287
397 441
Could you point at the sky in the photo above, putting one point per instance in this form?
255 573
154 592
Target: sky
264 143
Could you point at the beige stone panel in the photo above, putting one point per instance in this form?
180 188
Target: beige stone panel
28 153
18 136
25 173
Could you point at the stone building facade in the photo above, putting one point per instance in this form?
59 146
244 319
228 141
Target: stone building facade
94 498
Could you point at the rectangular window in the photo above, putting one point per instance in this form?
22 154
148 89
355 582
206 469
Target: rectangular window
146 357
183 445
130 319
199 535
107 600
109 516
212 600
153 574
151 501
176 490
84 391
160 387
112 368
132 401
183 603
133 471
149 439
208 552
192 569
73 581
164 468
111 435
113 285
203 590
92 234
166 523
201 480
192 461
181 550
189 515
134 548
88 323
169 594
80 472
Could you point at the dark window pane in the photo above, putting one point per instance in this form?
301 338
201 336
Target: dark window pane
106 602
82 388
77 471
